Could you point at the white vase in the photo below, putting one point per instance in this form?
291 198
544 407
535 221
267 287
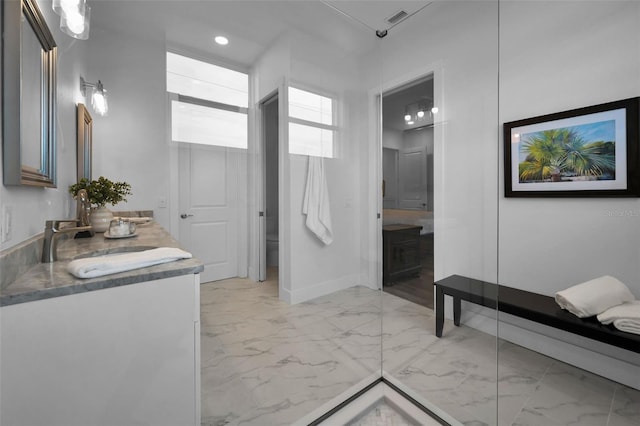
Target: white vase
100 219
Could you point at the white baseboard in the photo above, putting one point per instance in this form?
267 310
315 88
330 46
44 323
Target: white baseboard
619 365
320 289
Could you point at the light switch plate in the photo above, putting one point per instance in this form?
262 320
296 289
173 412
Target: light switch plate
5 232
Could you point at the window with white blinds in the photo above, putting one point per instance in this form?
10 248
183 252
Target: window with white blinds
312 126
208 103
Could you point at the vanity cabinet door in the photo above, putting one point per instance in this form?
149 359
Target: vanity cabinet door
118 356
401 251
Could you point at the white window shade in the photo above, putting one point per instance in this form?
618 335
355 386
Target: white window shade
309 140
202 80
310 106
311 124
208 126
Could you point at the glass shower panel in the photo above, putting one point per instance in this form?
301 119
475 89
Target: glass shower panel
311 339
455 44
555 57
329 266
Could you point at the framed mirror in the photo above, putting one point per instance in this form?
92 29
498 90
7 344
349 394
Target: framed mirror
85 140
29 96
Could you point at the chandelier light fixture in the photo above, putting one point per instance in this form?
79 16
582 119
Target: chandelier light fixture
74 17
98 96
417 111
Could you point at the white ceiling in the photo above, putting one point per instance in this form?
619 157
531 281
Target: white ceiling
251 26
374 14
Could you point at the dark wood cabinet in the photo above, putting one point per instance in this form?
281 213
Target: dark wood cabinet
401 251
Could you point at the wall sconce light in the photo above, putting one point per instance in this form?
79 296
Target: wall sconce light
74 17
98 96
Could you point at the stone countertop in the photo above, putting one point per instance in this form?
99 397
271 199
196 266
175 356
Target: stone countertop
47 280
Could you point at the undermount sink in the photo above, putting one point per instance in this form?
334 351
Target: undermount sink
114 250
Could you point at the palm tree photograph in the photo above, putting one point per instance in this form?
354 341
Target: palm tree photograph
592 151
584 152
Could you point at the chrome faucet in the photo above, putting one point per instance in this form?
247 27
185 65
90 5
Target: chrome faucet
52 227
50 243
83 208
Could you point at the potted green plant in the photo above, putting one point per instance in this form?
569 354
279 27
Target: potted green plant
100 193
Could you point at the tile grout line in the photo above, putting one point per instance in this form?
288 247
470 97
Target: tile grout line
613 400
526 402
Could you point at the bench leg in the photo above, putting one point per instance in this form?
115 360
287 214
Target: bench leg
457 305
439 311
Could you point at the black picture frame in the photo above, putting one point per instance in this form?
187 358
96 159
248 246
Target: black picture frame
586 152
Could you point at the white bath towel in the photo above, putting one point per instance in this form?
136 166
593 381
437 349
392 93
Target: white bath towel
593 297
92 267
316 201
625 317
627 325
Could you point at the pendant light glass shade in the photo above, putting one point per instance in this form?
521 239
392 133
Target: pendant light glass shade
76 23
98 96
59 5
99 100
75 16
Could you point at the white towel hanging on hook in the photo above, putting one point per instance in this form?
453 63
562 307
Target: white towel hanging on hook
316 201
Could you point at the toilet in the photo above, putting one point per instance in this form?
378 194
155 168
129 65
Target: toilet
272 249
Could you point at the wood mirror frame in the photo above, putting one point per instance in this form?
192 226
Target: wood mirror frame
29 96
85 141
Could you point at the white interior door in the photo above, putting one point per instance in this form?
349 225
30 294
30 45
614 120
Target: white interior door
209 208
413 178
390 178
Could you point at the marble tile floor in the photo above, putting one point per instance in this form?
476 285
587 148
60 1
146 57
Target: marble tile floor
381 415
266 363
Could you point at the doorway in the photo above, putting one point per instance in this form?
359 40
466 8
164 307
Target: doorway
408 201
209 213
270 228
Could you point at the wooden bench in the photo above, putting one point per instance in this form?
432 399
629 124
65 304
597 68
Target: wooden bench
532 306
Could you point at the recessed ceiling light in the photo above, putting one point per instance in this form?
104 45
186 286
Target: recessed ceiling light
410 123
221 40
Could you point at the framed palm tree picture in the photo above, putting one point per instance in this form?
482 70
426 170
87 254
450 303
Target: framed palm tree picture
587 152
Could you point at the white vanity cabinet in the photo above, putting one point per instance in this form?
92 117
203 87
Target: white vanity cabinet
125 355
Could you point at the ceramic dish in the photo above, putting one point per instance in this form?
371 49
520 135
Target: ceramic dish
109 236
136 220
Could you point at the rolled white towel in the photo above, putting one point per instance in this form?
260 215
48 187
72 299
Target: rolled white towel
629 310
593 297
627 325
92 267
625 317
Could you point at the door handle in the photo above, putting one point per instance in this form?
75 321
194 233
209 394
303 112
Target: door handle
184 215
